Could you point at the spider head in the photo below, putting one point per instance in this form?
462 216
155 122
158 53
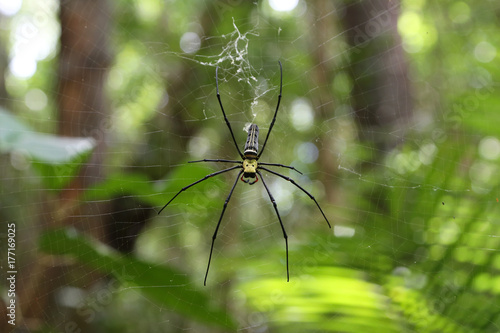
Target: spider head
249 171
249 167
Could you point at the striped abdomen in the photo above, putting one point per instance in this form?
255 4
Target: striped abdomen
252 144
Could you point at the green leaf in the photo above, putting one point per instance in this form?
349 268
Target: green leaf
56 158
151 192
167 286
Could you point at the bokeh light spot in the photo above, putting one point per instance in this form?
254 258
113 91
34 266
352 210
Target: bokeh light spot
307 152
301 114
190 42
283 5
489 148
35 99
485 52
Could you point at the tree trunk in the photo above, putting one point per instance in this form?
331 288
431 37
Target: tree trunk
381 95
84 60
323 100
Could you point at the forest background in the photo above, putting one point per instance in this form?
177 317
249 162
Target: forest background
389 109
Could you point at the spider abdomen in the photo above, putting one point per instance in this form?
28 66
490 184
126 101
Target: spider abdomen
252 144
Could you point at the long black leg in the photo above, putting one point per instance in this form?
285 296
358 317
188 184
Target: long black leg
275 112
218 225
199 181
216 160
281 223
280 165
224 113
294 183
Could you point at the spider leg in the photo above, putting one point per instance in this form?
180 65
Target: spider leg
224 113
281 223
280 165
218 225
294 183
275 112
198 181
216 160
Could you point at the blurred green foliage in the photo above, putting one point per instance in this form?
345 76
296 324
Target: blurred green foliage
135 273
57 159
415 241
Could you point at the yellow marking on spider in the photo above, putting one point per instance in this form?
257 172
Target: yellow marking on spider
249 166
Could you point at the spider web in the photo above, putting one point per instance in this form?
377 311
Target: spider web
412 201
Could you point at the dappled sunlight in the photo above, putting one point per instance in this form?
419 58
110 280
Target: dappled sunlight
330 295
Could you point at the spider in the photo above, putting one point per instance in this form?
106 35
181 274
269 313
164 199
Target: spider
249 169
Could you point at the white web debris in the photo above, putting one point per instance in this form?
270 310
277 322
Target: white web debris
234 54
246 127
233 62
236 51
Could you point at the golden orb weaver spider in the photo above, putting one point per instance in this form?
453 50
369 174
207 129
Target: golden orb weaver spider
249 170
